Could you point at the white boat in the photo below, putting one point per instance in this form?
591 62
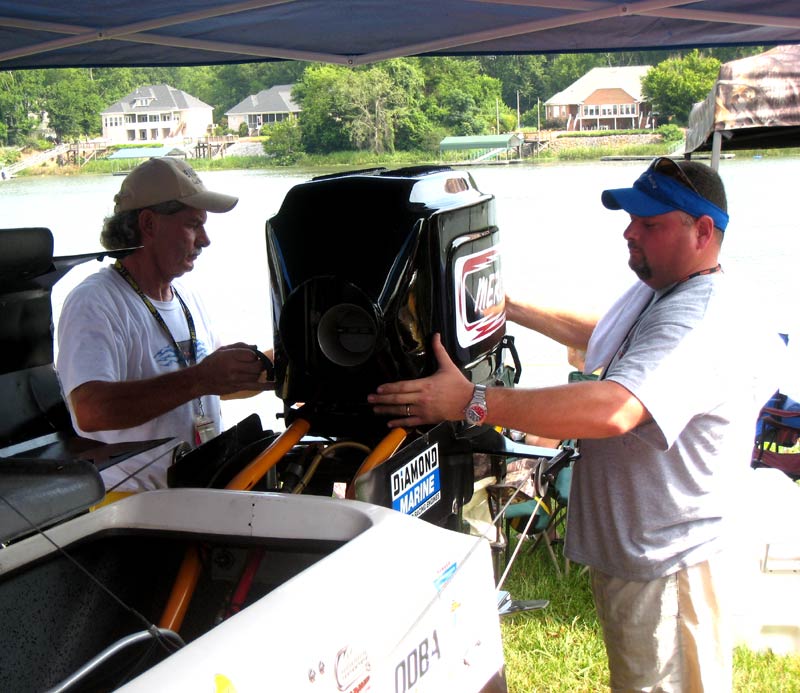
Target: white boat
320 614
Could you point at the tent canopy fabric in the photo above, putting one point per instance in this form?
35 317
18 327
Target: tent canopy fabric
54 33
479 142
754 104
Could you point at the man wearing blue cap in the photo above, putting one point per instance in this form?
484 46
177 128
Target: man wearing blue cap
666 431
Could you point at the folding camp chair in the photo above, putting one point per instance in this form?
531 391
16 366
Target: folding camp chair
537 511
541 516
777 440
546 525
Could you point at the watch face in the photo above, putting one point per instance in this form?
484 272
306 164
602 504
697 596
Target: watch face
476 413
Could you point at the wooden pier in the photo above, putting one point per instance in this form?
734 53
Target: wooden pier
213 147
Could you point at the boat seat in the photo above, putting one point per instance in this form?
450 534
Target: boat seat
47 472
37 493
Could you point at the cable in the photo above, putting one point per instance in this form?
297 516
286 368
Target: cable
144 466
312 468
162 636
74 562
539 503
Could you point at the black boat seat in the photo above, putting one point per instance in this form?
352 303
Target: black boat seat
47 472
36 493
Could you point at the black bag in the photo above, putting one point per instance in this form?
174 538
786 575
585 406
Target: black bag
217 461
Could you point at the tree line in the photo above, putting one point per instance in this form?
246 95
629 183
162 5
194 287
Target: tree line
400 104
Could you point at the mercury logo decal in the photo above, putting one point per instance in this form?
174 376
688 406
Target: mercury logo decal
416 485
480 297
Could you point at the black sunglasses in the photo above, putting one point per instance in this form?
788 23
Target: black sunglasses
667 167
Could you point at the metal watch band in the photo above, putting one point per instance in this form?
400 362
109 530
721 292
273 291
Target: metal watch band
477 411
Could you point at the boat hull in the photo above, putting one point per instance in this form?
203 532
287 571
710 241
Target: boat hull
347 597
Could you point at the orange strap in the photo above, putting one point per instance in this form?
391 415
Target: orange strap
189 572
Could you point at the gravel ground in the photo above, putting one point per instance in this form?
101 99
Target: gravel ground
245 149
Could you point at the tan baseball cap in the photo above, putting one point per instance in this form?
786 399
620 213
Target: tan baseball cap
166 179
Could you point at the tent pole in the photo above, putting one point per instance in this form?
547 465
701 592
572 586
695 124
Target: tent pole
716 147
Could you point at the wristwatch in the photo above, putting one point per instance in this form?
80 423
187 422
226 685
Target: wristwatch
477 411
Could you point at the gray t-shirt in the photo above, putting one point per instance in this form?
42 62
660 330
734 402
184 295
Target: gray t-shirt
653 501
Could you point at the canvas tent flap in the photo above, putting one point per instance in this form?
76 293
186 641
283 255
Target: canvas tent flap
54 33
754 104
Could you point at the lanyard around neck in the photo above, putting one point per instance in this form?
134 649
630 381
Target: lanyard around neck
123 272
699 273
656 298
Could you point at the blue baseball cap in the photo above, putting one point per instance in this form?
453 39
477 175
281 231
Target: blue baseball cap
656 193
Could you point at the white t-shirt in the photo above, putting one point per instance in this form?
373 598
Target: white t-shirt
107 333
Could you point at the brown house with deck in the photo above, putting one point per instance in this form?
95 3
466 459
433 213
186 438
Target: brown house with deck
605 98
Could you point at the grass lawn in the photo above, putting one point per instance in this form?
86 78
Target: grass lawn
560 648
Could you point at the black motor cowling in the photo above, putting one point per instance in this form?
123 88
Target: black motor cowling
364 268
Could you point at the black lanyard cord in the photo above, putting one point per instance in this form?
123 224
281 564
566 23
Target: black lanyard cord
656 298
126 275
123 272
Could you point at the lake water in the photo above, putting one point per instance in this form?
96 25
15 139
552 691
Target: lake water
560 245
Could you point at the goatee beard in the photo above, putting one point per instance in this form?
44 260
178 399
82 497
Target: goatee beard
641 269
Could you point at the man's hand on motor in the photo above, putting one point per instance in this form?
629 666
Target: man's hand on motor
442 396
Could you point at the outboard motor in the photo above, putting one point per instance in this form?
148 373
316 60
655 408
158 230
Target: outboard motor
364 268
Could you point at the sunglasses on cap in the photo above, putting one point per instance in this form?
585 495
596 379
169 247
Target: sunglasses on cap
664 187
668 167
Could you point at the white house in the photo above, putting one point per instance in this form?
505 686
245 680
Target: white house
605 98
268 106
158 113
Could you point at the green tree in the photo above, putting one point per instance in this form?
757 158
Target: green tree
412 128
376 103
20 96
523 78
345 107
321 94
73 103
676 84
112 83
461 97
202 82
284 143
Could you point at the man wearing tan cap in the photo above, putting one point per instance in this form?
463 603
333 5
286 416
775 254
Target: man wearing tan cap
137 358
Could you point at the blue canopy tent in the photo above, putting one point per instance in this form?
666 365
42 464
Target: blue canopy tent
52 33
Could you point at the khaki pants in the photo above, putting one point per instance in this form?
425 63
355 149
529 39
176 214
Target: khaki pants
671 634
